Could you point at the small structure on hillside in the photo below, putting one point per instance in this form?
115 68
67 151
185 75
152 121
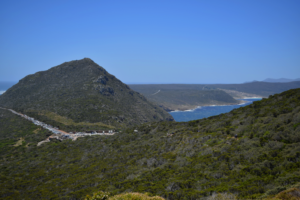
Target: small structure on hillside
170 134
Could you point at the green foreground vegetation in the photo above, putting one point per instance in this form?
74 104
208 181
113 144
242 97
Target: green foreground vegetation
292 193
187 160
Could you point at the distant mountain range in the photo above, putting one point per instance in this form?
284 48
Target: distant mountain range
80 93
280 80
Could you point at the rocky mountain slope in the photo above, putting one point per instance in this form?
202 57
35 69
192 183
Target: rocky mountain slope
80 91
187 160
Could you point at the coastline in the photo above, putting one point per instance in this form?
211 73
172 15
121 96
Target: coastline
190 110
242 102
250 98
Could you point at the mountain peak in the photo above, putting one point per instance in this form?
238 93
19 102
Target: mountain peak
82 91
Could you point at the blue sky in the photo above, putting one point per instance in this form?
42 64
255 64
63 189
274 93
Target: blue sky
201 41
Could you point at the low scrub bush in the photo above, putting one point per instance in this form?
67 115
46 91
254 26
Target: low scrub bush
222 196
126 196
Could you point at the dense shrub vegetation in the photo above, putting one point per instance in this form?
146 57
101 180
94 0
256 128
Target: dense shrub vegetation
173 160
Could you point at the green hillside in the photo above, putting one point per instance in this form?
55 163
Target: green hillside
84 94
187 160
183 97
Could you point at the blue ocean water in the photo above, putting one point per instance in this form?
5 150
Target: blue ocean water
207 111
4 85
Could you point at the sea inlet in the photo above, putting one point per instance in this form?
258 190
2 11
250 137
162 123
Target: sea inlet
208 111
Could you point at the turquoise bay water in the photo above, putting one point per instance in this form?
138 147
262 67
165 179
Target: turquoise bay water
207 111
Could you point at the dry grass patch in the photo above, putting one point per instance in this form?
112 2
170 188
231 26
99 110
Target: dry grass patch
126 196
67 121
290 194
19 143
37 130
222 196
135 196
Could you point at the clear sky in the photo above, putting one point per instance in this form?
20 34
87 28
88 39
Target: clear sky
154 41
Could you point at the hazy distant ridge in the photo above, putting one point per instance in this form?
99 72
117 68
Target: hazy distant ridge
184 96
280 80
